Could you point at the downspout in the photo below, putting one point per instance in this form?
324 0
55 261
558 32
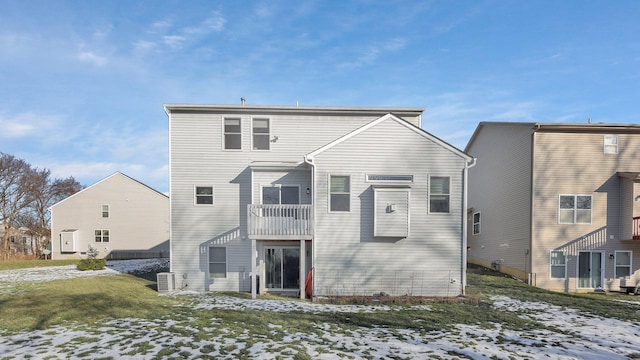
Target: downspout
309 161
168 112
463 264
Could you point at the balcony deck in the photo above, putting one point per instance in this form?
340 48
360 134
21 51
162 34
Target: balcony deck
280 222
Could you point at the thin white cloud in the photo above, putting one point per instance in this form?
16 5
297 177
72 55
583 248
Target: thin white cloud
92 58
174 41
26 124
143 45
214 23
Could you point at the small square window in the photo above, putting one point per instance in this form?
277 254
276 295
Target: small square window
204 195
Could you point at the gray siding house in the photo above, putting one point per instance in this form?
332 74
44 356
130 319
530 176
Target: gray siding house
557 204
363 196
118 216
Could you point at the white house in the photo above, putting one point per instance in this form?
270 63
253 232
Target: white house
364 196
118 216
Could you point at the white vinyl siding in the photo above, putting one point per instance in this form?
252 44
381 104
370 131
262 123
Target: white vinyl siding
623 264
391 212
574 209
558 265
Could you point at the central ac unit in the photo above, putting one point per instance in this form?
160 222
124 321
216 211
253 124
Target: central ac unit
166 282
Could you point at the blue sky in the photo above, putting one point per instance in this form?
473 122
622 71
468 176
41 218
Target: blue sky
82 83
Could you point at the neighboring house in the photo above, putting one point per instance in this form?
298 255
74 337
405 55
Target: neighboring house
22 241
119 216
557 204
366 198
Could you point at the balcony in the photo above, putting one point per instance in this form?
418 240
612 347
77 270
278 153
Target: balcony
280 222
636 228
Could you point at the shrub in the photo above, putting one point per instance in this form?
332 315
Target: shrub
91 262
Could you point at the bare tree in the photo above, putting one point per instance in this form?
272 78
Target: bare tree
17 179
46 192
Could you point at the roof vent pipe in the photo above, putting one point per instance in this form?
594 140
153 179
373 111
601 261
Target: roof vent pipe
242 100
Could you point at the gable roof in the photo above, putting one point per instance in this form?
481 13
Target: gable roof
560 127
117 173
406 124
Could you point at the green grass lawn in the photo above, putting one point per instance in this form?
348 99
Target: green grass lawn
88 300
23 264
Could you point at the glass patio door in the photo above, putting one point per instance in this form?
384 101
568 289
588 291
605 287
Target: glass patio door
590 269
282 268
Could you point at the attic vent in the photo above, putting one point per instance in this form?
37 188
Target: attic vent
166 282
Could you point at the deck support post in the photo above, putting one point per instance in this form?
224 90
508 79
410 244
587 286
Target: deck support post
303 266
254 283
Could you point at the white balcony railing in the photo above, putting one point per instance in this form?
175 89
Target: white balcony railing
280 222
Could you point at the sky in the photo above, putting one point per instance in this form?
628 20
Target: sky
83 83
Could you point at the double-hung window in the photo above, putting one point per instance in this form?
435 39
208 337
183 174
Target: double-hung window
232 134
260 129
623 263
105 211
204 195
558 262
340 193
610 144
476 223
218 262
574 209
439 195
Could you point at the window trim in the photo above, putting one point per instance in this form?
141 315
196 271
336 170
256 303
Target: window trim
339 193
195 195
575 213
226 262
224 132
615 264
108 212
551 265
473 223
101 235
448 195
268 134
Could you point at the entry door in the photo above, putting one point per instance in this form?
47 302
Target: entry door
283 268
590 269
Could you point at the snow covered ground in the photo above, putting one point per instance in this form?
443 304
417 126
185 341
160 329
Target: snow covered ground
567 333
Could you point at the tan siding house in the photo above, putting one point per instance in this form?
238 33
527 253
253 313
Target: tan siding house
263 194
118 216
557 204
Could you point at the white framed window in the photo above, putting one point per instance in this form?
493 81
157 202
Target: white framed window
203 195
102 235
439 196
260 129
610 143
218 262
476 223
339 193
105 211
558 265
574 209
232 134
623 264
